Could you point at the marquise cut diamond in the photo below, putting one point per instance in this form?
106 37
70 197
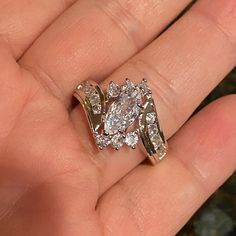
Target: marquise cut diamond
123 111
121 114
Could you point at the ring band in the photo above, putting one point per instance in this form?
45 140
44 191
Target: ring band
124 114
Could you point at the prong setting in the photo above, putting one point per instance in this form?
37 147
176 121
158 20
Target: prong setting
123 114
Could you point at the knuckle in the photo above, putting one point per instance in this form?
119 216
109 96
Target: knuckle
222 15
127 22
45 80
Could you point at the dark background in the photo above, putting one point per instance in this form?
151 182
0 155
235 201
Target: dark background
217 217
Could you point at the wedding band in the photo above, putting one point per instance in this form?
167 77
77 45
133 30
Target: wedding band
123 115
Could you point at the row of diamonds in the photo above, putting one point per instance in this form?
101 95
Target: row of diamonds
94 98
153 131
117 140
154 134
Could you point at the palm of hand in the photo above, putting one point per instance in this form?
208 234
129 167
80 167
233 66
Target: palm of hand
41 151
54 182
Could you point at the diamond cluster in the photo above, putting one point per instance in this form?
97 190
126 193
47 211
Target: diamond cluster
123 107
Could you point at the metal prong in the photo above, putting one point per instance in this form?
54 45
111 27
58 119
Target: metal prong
140 105
107 97
79 87
105 133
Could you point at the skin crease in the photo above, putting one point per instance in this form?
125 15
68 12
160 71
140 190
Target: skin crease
174 69
52 180
15 16
75 42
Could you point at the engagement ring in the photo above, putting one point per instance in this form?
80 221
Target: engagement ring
123 115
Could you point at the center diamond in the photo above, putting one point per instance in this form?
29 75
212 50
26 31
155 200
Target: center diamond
122 112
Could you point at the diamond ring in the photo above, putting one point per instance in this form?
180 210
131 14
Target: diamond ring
123 115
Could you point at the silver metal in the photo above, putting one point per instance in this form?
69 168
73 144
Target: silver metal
154 154
127 116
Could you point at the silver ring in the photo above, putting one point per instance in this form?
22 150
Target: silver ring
123 115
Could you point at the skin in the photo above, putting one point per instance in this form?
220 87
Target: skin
53 181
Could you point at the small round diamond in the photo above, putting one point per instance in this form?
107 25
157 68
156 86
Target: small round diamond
113 89
117 141
102 141
97 109
131 139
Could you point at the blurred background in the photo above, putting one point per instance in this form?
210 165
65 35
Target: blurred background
217 217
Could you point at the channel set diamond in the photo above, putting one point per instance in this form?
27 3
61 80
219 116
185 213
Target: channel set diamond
93 96
153 131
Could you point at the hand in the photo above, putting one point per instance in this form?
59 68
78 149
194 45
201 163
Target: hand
52 179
